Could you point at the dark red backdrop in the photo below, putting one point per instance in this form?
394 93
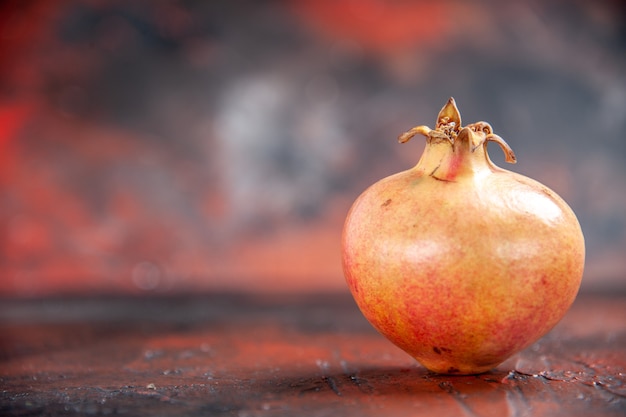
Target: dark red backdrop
157 147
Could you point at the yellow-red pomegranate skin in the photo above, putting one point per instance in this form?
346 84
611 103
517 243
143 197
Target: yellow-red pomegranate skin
458 262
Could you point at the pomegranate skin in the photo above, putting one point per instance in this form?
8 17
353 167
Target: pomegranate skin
458 262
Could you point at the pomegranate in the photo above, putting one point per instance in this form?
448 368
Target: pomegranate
458 262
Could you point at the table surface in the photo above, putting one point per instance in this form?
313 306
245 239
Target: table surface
236 355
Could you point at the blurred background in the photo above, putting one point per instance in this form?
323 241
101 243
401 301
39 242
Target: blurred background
180 146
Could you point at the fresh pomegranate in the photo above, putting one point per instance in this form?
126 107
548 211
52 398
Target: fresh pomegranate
458 262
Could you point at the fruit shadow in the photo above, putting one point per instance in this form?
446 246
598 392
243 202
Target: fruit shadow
399 381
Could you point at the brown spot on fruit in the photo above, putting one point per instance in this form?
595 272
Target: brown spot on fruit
386 203
441 350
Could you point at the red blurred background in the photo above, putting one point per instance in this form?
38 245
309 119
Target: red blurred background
172 147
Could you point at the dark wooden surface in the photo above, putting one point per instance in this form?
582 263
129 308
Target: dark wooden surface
293 356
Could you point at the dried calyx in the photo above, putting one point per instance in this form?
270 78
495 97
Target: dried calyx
448 128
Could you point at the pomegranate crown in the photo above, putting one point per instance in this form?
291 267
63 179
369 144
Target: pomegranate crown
448 127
